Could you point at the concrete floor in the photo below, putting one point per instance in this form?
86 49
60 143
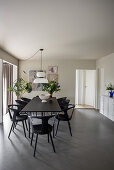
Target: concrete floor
90 148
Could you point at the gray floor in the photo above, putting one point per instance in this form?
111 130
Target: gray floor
90 148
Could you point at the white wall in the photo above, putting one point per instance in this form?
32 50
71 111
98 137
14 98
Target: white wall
1 91
66 71
105 68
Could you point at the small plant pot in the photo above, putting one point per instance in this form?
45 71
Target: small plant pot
111 94
51 95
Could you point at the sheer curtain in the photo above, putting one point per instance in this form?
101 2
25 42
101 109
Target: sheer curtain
7 82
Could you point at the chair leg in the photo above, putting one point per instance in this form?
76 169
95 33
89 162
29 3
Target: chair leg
53 130
24 128
29 126
10 130
32 138
52 142
35 144
57 127
26 125
48 137
13 126
69 127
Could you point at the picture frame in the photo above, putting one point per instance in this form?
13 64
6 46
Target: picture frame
52 69
52 77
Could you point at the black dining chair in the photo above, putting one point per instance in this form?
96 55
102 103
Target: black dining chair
16 116
43 128
66 116
25 99
63 102
22 103
61 99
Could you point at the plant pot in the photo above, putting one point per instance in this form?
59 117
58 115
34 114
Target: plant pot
111 94
51 95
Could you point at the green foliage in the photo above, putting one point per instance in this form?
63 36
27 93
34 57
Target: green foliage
110 87
51 87
20 87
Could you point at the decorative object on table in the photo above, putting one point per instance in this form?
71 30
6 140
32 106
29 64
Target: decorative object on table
110 88
51 87
41 75
20 86
44 97
52 70
52 77
32 77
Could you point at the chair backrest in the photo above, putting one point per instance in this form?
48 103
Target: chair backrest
61 99
23 103
70 110
25 99
14 111
44 123
64 104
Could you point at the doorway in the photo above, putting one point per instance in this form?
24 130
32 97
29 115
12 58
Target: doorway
85 88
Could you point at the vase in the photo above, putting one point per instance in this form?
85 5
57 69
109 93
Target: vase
111 94
51 95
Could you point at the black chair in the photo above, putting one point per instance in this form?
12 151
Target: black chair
22 103
61 99
42 129
63 102
66 117
15 116
25 99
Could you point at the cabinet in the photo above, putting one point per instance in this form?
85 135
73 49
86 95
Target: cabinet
107 107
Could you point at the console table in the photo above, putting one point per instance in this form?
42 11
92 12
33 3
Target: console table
107 107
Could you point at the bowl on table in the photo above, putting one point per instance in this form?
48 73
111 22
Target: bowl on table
44 97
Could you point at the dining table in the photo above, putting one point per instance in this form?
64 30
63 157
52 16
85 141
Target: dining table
37 107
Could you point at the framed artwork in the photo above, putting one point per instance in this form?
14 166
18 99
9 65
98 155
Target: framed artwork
52 77
32 76
52 70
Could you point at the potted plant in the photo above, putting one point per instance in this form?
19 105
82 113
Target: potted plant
51 87
110 88
20 86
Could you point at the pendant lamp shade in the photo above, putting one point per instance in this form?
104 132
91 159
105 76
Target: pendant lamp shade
40 80
41 74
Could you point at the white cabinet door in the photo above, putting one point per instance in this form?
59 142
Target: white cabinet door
102 105
111 109
106 106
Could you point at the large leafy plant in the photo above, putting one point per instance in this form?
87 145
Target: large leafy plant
51 87
20 86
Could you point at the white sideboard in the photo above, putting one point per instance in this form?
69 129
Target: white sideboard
107 107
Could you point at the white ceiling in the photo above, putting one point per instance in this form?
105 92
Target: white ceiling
81 29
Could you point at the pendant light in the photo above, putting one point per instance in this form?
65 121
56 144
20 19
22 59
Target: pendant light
41 75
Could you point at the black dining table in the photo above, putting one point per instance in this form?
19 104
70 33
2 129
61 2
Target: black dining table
37 106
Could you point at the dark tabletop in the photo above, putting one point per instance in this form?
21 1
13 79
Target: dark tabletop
36 105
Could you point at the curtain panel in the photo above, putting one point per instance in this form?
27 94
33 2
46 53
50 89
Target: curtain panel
7 82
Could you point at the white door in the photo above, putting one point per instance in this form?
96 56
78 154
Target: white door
89 87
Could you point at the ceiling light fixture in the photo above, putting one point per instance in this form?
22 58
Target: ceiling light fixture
41 75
